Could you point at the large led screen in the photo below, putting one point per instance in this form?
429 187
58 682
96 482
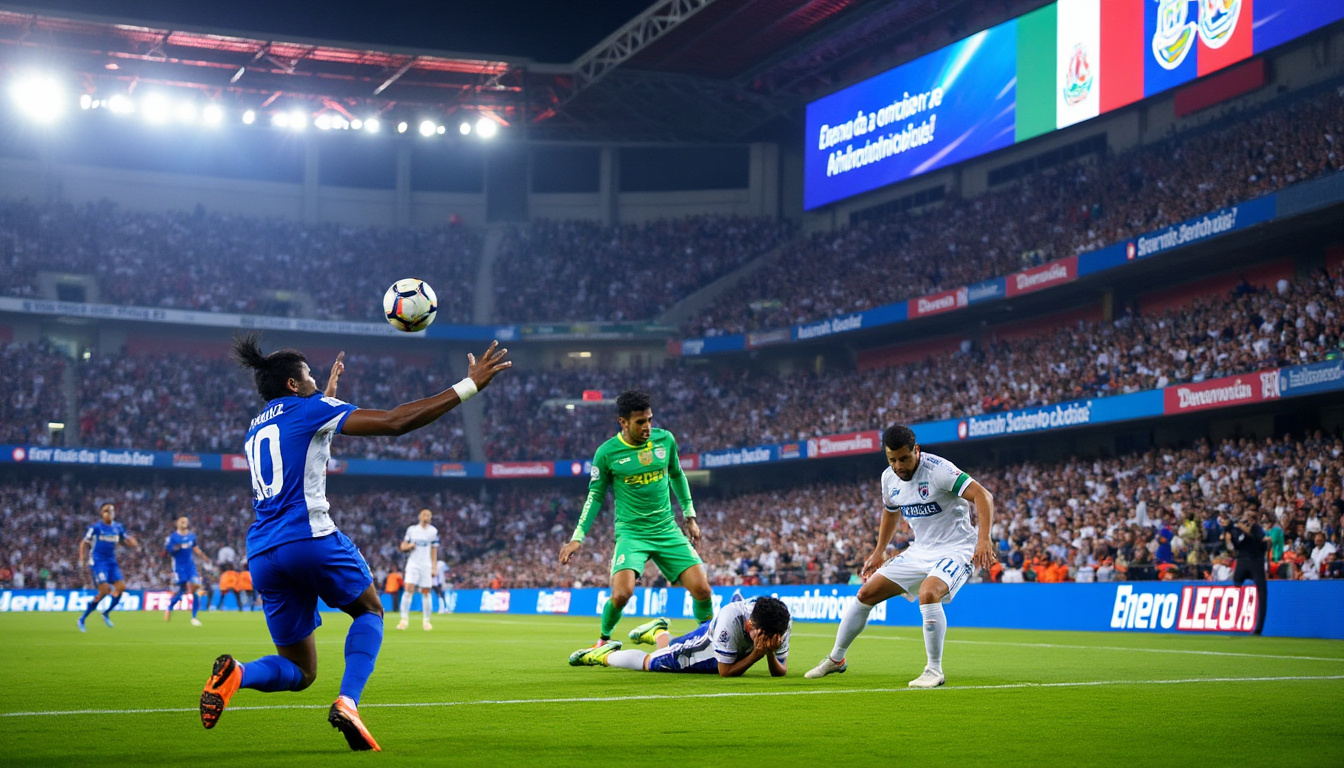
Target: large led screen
1059 65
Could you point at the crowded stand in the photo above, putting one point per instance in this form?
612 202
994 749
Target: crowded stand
1159 514
31 375
174 402
1253 327
1073 209
583 271
210 262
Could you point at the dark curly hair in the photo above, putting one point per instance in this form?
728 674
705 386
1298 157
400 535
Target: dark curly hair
632 401
272 372
770 615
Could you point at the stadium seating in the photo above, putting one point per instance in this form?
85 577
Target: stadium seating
1072 209
1079 519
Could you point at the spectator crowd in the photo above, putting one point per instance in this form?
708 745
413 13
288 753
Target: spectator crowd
1158 514
1057 212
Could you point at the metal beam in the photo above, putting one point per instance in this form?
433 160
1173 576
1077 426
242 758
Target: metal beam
650 25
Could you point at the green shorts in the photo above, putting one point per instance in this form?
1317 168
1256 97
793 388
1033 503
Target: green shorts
670 551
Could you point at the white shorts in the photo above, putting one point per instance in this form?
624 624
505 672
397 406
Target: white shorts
909 569
419 575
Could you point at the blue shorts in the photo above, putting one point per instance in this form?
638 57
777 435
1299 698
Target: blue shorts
692 652
187 577
291 577
106 573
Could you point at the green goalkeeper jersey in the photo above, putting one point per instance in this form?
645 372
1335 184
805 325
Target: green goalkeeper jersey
640 477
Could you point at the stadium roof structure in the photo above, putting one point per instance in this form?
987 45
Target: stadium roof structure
680 71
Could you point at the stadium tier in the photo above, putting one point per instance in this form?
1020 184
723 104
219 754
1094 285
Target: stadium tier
1158 514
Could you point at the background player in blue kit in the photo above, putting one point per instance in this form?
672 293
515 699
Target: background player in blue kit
181 546
295 552
103 537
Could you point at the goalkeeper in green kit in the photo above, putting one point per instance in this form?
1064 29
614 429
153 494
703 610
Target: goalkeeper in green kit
639 464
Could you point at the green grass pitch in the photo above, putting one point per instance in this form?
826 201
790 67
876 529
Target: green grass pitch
483 690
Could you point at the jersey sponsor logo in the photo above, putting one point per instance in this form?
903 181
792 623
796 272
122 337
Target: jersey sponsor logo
1205 608
495 601
646 457
923 490
660 453
624 460
644 478
921 510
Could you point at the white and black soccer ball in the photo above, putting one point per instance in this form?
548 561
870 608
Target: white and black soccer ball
410 305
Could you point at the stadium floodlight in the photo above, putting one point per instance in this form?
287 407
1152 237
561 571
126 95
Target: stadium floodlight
464 128
298 120
280 119
85 101
323 122
121 105
440 130
41 98
186 112
372 125
486 128
249 117
212 114
155 108
356 124
402 126
427 128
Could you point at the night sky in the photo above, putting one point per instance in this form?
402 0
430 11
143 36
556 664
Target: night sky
554 31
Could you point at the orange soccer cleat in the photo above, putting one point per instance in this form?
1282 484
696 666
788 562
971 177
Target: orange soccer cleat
344 717
223 683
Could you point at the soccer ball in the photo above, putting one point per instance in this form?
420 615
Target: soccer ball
410 305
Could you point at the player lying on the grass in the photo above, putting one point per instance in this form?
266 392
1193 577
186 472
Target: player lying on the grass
741 634
295 552
934 497
103 537
422 541
181 546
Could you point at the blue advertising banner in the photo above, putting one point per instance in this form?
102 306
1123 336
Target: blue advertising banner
759 454
447 332
1062 415
987 291
1326 376
942 108
1105 258
1209 225
1168 606
1279 21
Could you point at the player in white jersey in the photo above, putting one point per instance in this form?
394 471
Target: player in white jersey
742 633
935 498
422 541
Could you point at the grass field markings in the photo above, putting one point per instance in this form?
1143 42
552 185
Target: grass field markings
1103 648
669 696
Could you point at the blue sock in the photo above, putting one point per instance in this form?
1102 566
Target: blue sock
181 592
270 674
195 605
361 651
92 606
115 599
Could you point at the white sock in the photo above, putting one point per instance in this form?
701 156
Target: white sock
627 660
406 605
427 603
851 624
935 629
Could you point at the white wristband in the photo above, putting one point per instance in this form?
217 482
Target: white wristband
465 389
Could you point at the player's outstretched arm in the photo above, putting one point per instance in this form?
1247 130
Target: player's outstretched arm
337 368
411 416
